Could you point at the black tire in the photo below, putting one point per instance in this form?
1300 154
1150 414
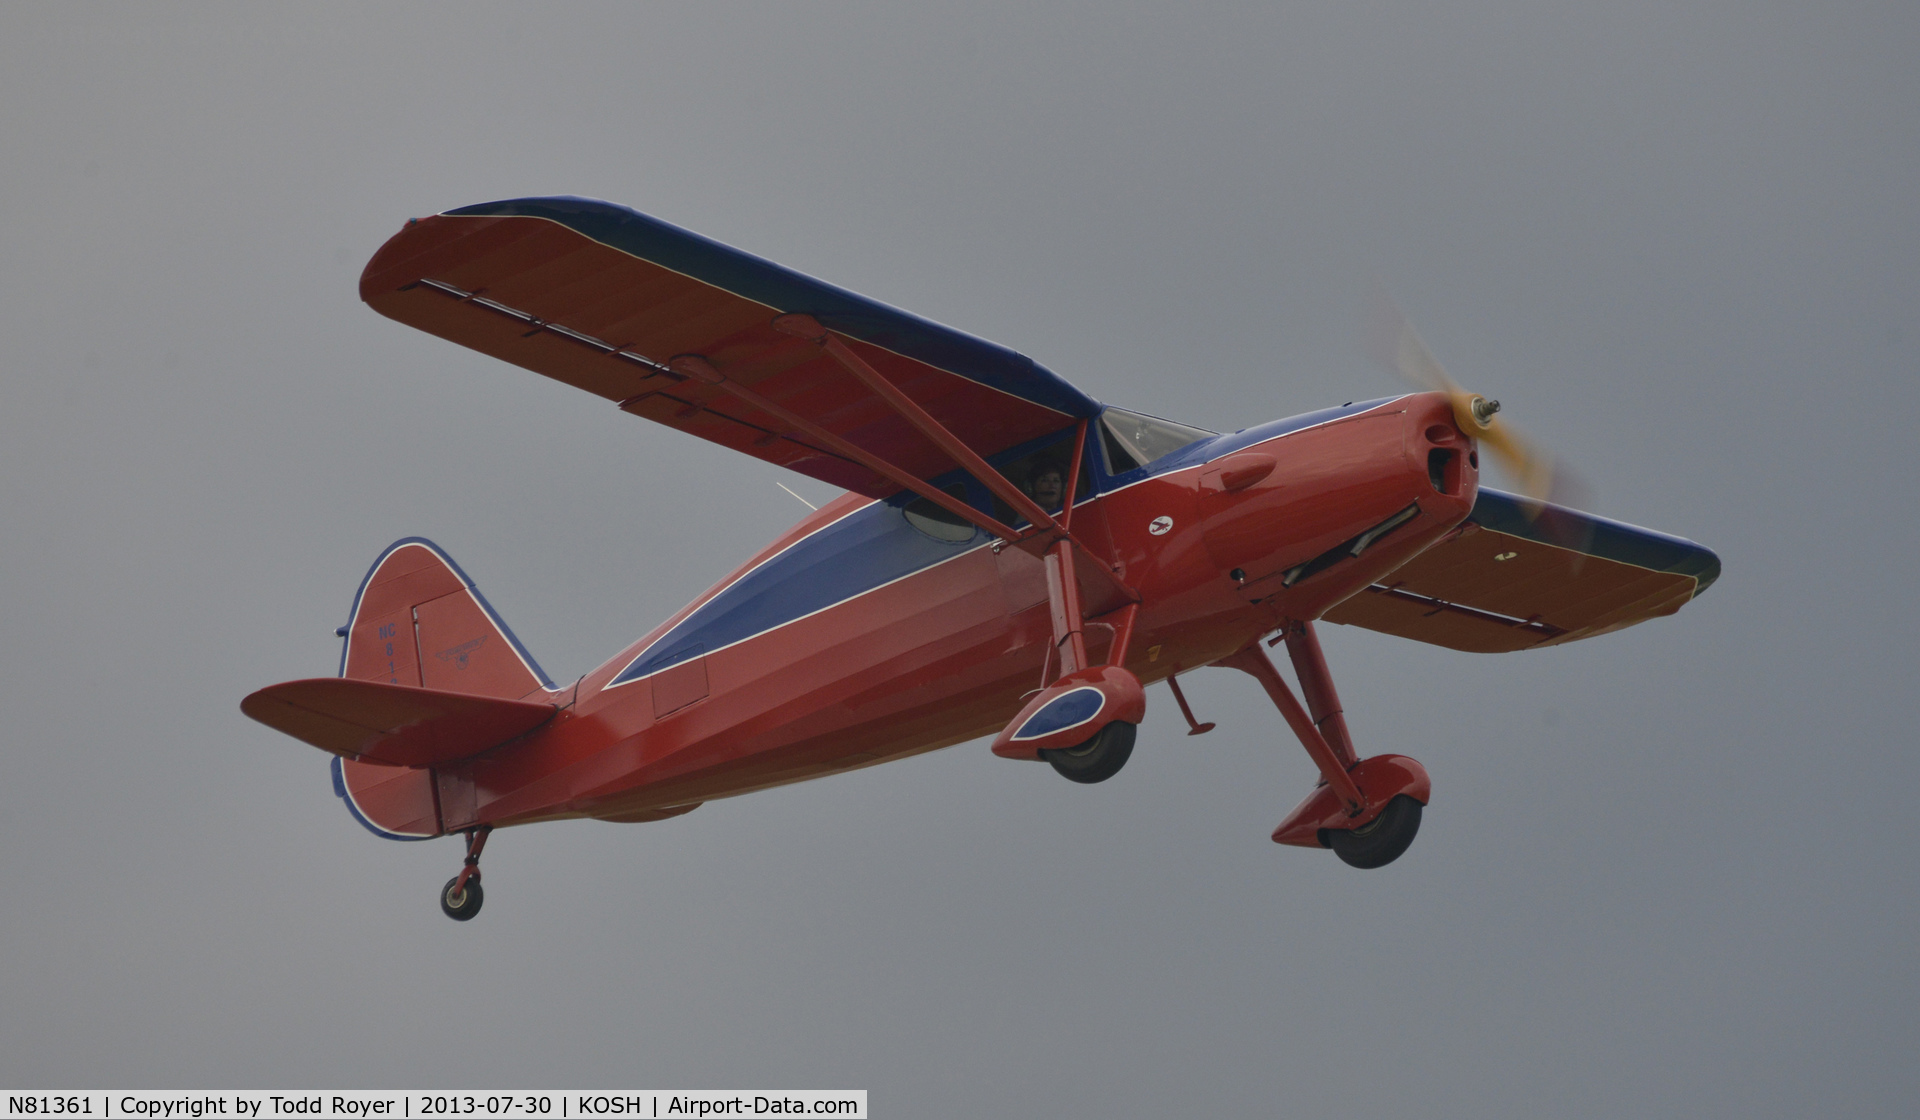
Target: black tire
463 907
1097 759
1381 840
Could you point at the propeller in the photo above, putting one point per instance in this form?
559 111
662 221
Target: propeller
1392 340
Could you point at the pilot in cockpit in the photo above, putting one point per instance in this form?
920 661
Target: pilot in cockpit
1046 486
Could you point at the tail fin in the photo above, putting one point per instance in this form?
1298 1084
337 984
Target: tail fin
419 621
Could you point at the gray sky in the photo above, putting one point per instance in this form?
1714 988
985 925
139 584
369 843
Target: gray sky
1666 872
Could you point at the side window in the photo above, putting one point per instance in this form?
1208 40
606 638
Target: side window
1133 440
1042 476
941 524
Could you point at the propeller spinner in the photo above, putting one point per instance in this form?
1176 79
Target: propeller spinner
1397 345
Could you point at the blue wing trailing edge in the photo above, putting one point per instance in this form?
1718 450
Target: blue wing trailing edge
606 299
784 290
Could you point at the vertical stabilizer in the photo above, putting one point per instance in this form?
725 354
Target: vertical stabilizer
418 620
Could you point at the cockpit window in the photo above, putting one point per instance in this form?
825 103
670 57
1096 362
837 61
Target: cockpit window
940 524
1133 440
1042 476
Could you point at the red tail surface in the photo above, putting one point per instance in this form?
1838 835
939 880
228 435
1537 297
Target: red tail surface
393 725
425 638
419 621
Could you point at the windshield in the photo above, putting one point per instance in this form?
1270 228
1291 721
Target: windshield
1133 440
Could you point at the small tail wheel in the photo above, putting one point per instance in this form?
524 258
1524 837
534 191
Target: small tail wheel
461 906
1381 840
1097 759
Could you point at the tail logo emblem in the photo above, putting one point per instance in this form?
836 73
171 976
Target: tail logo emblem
1160 526
458 654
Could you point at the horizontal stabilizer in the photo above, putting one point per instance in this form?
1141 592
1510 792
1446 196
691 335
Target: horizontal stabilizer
393 725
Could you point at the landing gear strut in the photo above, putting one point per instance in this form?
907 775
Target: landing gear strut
460 899
1368 811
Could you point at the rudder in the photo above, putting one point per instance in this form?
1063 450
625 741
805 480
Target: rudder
419 620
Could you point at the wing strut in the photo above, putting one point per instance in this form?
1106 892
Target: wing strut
1067 610
704 371
1063 588
809 328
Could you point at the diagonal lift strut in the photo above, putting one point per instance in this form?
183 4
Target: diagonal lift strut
1065 603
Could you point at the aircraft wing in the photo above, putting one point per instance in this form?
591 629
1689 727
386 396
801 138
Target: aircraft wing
1506 582
604 298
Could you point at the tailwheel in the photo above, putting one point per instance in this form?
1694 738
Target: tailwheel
1097 759
1381 840
460 899
461 902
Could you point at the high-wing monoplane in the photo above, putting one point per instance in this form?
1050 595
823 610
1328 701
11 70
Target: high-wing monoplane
1011 558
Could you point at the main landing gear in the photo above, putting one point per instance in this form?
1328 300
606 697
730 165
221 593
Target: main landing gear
1097 759
1368 811
1381 840
460 899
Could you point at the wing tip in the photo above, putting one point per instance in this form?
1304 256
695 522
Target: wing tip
1594 535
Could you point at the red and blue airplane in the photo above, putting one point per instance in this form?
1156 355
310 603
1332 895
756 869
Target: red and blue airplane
1012 557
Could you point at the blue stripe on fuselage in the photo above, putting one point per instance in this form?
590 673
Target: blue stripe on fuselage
875 545
863 550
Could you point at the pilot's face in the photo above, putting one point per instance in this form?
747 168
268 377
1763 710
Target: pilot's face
1047 487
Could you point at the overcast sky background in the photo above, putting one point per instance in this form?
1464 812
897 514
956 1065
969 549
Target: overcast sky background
1667 872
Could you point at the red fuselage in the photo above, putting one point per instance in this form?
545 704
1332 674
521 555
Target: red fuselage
856 638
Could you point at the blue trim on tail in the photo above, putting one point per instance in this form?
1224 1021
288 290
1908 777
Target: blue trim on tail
493 615
340 791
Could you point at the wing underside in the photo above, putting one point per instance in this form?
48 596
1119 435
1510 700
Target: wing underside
1508 582
604 299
